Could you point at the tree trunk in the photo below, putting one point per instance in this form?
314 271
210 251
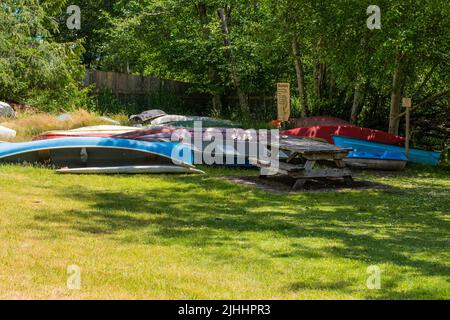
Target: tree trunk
212 72
300 75
231 61
320 78
396 95
357 99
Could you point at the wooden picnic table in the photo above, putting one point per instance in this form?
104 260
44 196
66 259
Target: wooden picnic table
308 159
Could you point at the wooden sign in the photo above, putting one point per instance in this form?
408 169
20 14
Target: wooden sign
284 101
407 102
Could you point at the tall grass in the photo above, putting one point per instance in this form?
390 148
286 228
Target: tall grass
28 125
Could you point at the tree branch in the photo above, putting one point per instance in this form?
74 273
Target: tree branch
426 101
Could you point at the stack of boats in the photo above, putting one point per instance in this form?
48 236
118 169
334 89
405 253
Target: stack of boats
103 149
152 149
120 149
372 149
98 150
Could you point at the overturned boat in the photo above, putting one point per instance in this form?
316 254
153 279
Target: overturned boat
383 161
234 148
96 152
94 131
327 133
6 133
154 169
415 155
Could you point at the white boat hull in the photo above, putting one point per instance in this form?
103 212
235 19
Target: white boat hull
131 170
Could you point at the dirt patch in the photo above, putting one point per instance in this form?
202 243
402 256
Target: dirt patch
284 184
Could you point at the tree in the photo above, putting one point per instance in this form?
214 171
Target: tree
32 65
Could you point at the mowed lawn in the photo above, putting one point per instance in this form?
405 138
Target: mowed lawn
186 237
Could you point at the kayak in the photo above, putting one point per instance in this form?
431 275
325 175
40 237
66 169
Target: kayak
415 155
94 151
95 131
190 121
234 151
148 115
386 161
318 121
6 133
327 133
155 169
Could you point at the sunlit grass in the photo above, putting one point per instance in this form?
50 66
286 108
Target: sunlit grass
200 237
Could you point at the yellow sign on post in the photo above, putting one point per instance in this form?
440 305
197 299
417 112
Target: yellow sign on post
284 101
407 102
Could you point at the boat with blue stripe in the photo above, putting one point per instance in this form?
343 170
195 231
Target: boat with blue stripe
415 155
95 151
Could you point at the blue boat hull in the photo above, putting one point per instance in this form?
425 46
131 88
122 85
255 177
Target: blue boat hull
75 152
415 155
387 155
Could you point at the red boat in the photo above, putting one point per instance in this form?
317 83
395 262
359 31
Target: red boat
317 121
327 133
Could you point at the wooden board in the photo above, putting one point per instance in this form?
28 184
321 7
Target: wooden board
309 146
407 102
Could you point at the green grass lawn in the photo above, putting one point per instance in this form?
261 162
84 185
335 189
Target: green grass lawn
201 237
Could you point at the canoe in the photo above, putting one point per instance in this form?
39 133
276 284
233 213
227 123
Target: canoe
327 133
121 132
234 150
95 131
189 122
204 123
147 115
103 128
6 133
317 121
93 151
386 161
240 139
161 169
415 155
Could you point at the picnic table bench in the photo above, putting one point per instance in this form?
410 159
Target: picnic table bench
308 159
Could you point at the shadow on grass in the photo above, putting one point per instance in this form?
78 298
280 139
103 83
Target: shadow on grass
373 226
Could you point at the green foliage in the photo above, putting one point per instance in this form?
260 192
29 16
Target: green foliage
183 40
106 102
33 67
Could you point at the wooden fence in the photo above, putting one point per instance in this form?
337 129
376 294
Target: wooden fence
122 83
130 88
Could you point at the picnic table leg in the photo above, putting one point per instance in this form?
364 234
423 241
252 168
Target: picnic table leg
348 180
299 184
264 173
340 164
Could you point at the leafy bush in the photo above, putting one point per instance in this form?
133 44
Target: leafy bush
106 102
33 67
